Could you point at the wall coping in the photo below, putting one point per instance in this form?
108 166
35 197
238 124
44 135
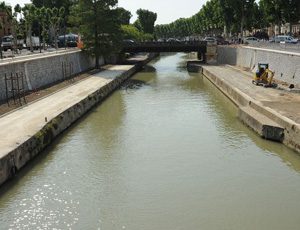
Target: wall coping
271 50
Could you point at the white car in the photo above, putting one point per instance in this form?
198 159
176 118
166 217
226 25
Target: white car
285 39
250 40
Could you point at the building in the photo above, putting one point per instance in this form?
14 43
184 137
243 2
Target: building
296 29
284 29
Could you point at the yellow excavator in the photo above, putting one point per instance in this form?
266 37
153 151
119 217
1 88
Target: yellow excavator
264 76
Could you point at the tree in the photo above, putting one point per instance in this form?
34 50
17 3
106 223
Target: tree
131 32
238 14
291 12
280 11
7 10
99 26
273 10
146 19
43 18
56 17
66 4
124 16
29 12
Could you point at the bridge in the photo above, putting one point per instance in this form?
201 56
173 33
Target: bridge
158 47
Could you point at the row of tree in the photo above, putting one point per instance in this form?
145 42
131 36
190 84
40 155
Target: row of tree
233 16
30 20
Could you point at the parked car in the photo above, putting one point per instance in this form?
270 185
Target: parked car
8 43
250 40
210 40
68 40
285 39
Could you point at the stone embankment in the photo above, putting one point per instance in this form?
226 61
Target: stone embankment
28 130
274 114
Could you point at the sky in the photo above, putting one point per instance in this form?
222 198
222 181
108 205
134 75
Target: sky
167 10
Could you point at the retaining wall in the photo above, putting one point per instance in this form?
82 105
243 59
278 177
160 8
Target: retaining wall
285 64
46 70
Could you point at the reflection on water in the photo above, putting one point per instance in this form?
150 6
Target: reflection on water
165 152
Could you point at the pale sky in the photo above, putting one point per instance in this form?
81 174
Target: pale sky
167 10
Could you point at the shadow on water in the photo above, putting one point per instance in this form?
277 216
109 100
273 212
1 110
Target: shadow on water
132 84
148 69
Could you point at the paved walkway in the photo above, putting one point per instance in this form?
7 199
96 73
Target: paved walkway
18 126
285 103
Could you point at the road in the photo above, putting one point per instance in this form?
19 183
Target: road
9 56
277 46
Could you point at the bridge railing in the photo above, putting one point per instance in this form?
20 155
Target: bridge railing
160 43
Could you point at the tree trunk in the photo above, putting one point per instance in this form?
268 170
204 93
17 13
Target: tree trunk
30 39
97 66
96 41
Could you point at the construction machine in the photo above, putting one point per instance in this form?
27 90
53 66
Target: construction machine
264 76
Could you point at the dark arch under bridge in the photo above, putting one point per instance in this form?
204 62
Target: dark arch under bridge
158 47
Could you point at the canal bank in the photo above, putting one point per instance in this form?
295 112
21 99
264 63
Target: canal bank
274 114
25 132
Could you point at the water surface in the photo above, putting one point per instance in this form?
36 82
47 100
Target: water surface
165 152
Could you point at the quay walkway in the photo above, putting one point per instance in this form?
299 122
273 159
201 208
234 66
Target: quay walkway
273 113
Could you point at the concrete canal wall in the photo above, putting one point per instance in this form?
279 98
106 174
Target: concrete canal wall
285 64
269 112
44 120
41 71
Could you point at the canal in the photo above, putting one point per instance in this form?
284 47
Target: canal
166 151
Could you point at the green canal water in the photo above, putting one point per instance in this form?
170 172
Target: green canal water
166 154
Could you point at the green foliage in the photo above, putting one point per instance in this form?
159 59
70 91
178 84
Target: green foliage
233 15
146 20
131 32
7 9
281 11
66 4
138 25
99 25
210 19
147 37
124 16
43 17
